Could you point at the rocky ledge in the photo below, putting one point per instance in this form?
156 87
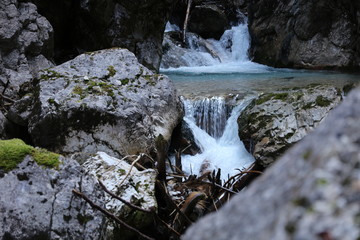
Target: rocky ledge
99 101
275 121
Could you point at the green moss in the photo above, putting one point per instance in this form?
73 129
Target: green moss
269 96
77 90
124 81
50 74
46 158
111 70
13 151
322 101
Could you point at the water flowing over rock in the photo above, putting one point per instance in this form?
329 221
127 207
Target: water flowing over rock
275 121
306 34
220 146
101 101
26 45
312 192
38 203
132 185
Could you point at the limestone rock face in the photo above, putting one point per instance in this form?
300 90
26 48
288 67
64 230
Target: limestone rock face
275 121
26 44
38 203
132 185
101 101
312 192
306 34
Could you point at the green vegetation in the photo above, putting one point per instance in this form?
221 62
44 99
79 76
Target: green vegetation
13 151
322 101
111 70
269 96
50 74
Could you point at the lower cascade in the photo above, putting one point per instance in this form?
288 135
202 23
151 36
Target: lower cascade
216 136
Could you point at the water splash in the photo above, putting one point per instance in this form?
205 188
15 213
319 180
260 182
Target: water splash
226 152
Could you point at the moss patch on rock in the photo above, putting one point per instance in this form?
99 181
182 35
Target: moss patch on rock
13 151
267 97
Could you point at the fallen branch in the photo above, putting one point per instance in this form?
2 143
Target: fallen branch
131 167
123 200
110 215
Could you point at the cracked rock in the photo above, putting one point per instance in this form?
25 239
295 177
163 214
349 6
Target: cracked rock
38 203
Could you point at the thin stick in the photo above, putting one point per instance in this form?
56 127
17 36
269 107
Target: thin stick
132 165
166 225
110 215
221 187
123 200
186 20
7 98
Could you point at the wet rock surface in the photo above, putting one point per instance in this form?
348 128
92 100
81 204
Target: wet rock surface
305 33
127 182
38 203
26 41
310 193
275 121
100 101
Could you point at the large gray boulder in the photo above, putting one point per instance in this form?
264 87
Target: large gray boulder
100 101
275 121
312 192
26 45
37 202
305 33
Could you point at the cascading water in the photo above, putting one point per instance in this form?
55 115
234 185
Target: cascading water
229 54
221 148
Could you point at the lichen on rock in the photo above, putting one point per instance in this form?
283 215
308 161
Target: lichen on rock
275 121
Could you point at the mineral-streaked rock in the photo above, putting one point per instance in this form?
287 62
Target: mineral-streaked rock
312 192
137 187
275 121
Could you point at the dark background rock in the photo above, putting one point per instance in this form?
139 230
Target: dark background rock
305 34
26 45
275 121
89 25
312 192
38 203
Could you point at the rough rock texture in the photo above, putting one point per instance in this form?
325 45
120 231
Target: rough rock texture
312 192
275 121
26 43
100 101
38 203
137 187
89 25
306 33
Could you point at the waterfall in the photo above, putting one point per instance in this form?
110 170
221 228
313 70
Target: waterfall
209 114
221 148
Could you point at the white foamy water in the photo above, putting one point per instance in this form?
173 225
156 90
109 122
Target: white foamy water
227 55
226 152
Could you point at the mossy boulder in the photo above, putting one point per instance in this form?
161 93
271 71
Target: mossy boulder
36 194
100 101
275 121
